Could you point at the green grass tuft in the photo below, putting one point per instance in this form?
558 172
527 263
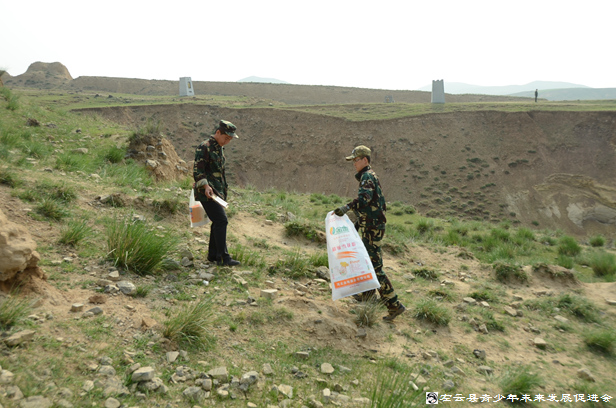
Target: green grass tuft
597 241
602 341
431 311
304 229
13 309
603 264
133 246
520 380
190 325
367 313
52 209
9 178
506 272
568 246
75 232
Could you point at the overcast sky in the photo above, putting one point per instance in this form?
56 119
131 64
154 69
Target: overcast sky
386 44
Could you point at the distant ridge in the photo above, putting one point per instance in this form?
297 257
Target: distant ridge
262 80
462 88
572 94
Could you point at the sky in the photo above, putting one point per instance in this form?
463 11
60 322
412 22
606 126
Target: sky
386 44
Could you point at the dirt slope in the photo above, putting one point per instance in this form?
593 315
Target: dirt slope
544 169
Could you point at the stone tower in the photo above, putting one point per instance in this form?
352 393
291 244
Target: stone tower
186 87
438 91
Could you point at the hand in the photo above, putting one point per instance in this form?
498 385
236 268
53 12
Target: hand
340 211
208 191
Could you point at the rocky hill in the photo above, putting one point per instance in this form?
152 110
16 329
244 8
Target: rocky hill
42 75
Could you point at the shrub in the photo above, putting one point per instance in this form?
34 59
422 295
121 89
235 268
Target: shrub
72 162
597 241
9 178
491 323
128 173
60 192
142 291
189 326
303 229
4 91
525 234
151 127
568 246
9 139
294 265
500 234
442 294
565 261
247 256
509 272
549 241
186 183
35 149
426 273
392 389
52 209
132 245
335 199
114 154
168 206
13 101
13 309
502 251
75 232
409 209
486 295
424 225
430 310
453 237
603 263
578 306
28 195
602 341
520 380
367 313
319 258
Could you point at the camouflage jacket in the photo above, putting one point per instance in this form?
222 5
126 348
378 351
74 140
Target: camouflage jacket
210 165
370 202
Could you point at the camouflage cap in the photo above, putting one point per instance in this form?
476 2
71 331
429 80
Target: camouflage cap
227 128
359 151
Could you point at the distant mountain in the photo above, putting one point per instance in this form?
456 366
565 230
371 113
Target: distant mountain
262 80
571 94
461 88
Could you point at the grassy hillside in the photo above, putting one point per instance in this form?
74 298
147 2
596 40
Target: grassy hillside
493 309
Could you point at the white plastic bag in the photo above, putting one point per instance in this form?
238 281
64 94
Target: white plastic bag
350 268
197 213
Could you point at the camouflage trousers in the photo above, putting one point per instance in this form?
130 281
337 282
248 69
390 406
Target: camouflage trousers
372 240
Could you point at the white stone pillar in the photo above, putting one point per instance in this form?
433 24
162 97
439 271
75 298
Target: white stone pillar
186 87
438 91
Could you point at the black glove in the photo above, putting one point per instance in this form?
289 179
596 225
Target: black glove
340 211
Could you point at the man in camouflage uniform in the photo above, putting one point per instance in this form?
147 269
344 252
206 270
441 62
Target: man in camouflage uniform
210 181
370 207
